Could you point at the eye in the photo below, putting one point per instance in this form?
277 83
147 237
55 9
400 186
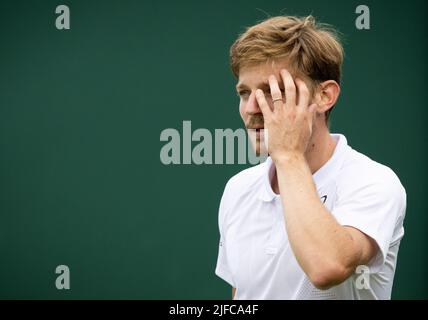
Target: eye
243 93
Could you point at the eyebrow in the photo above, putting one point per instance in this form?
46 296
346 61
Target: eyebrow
264 85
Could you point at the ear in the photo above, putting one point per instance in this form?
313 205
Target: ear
328 93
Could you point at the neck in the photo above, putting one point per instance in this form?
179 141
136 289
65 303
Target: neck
320 150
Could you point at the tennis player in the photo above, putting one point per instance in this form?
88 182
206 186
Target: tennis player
317 219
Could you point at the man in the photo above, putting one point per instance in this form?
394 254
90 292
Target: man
317 219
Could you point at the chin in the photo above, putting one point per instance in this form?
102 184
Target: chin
257 143
259 148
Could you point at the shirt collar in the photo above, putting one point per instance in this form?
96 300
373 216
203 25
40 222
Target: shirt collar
321 176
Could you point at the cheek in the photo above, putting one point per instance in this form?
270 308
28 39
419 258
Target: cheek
242 109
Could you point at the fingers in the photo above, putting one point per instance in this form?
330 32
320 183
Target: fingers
303 93
264 106
293 89
275 92
289 87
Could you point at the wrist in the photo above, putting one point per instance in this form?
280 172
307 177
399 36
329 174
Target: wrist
287 158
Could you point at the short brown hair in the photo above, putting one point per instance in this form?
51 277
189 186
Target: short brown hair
313 50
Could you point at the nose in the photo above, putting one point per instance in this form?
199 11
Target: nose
252 107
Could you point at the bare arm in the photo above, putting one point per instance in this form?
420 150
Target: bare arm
327 252
233 293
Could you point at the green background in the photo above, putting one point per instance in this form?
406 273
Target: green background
81 113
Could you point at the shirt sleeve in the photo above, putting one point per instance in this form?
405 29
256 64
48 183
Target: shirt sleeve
222 268
375 205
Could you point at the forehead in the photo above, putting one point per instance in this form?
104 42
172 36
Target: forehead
256 74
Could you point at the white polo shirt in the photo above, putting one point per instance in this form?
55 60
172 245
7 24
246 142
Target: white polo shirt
255 256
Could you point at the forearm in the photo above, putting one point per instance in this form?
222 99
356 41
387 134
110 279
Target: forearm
321 245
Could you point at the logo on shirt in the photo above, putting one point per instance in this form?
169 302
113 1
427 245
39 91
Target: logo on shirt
324 199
